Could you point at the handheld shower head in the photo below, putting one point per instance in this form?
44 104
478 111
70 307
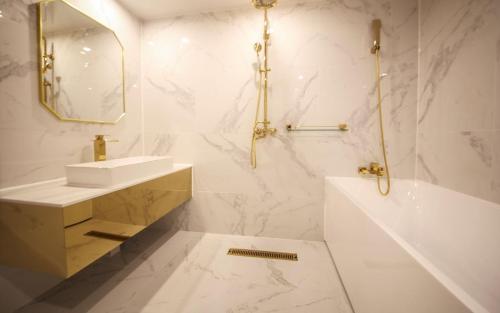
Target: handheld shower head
376 29
264 4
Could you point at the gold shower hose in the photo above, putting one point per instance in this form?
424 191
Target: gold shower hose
382 137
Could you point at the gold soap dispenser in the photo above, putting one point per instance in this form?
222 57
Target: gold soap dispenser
100 147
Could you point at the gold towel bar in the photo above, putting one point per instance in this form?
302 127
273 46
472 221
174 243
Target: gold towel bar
340 127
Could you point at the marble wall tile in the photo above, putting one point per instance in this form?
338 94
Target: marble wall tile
459 87
246 214
199 104
497 76
463 159
495 183
400 120
228 190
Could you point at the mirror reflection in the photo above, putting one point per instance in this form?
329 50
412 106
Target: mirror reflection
81 65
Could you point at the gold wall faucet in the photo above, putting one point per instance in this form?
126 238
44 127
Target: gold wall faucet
100 147
373 169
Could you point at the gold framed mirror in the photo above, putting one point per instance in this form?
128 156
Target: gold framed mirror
80 64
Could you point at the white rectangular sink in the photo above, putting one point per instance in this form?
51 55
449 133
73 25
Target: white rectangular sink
105 174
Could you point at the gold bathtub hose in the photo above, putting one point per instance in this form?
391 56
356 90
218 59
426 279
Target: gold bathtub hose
382 137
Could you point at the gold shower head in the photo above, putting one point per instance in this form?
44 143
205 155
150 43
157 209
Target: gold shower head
264 4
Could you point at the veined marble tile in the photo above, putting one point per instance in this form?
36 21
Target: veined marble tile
321 74
226 187
246 214
18 65
20 166
461 161
458 109
325 91
400 121
497 77
495 184
191 272
458 47
222 97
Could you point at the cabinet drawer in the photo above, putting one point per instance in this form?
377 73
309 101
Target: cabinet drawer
77 213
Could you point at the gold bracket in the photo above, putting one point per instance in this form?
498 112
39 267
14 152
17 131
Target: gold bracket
375 47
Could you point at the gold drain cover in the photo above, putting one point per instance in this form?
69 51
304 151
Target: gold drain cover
263 254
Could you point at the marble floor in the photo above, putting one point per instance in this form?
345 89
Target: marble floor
190 272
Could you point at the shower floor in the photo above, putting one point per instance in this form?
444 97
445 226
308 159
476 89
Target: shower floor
191 272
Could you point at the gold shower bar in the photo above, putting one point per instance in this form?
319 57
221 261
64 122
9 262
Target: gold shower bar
340 127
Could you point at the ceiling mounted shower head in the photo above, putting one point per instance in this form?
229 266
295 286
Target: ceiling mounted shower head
264 4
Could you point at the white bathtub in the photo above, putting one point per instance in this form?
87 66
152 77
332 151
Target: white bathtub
422 249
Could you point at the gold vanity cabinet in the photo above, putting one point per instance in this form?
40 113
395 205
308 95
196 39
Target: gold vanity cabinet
145 203
64 240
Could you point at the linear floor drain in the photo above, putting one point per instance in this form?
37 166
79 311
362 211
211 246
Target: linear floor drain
263 254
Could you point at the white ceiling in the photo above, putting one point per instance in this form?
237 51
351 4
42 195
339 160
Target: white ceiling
155 9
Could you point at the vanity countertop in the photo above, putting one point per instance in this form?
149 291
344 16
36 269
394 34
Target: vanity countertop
56 193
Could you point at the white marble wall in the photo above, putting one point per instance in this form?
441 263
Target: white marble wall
199 96
35 145
459 107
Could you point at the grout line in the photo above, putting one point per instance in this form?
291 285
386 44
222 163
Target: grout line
141 89
339 276
419 76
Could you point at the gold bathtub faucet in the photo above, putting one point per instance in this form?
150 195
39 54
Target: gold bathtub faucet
100 147
374 169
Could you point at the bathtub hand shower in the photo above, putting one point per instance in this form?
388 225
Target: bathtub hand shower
375 168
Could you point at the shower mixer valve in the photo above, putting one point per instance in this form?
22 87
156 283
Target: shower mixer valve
374 169
261 132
